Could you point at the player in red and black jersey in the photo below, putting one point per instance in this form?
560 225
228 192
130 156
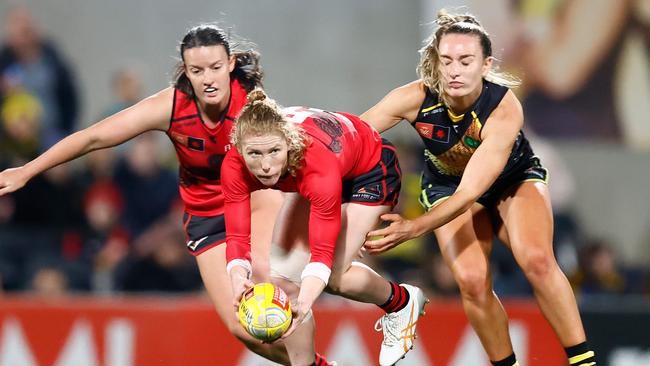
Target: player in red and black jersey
350 177
197 113
481 178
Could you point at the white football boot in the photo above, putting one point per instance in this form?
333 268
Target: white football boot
399 327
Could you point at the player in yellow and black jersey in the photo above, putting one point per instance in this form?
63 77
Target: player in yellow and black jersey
481 179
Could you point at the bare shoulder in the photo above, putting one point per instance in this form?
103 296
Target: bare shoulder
509 109
410 97
162 98
404 101
507 116
157 108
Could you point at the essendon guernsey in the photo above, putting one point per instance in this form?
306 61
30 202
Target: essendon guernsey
200 150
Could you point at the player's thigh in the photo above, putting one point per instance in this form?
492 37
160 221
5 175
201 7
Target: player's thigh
265 206
466 243
356 221
212 266
292 224
528 219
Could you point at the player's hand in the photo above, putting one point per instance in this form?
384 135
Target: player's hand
240 281
399 231
12 180
299 311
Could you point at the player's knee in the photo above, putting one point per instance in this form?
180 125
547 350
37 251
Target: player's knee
537 265
473 284
334 285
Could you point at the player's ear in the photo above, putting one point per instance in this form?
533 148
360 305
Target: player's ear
232 61
487 65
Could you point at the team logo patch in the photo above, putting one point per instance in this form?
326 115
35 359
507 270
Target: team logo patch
440 133
192 143
471 143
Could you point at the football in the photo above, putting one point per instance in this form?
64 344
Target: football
265 312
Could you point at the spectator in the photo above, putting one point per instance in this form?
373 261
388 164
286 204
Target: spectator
599 272
32 63
105 241
49 281
158 263
126 89
149 189
19 136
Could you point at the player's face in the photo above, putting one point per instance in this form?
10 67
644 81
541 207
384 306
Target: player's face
208 69
462 64
266 157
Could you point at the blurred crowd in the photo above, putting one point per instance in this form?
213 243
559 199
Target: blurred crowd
111 222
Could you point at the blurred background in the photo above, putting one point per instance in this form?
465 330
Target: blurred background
109 224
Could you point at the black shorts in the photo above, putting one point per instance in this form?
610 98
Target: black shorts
380 186
203 232
436 190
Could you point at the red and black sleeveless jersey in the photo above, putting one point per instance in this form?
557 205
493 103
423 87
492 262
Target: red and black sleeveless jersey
450 141
200 150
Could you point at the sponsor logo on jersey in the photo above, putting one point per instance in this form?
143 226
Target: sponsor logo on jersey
433 109
424 129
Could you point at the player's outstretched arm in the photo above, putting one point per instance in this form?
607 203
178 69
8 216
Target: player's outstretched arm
151 113
401 103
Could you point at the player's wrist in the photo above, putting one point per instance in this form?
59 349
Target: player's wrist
318 270
418 228
240 267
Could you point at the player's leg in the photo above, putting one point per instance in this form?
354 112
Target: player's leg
290 244
212 265
403 303
465 244
290 254
300 345
265 206
357 282
528 221
211 259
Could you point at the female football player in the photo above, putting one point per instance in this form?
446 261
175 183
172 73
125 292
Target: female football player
481 178
197 113
350 177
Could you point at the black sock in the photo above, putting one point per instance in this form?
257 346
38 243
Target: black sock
508 361
580 355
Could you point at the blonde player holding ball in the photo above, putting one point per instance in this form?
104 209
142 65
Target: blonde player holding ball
350 177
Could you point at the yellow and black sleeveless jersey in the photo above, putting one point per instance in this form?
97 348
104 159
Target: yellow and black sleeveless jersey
451 140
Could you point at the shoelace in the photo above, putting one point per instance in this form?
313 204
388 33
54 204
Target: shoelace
390 331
